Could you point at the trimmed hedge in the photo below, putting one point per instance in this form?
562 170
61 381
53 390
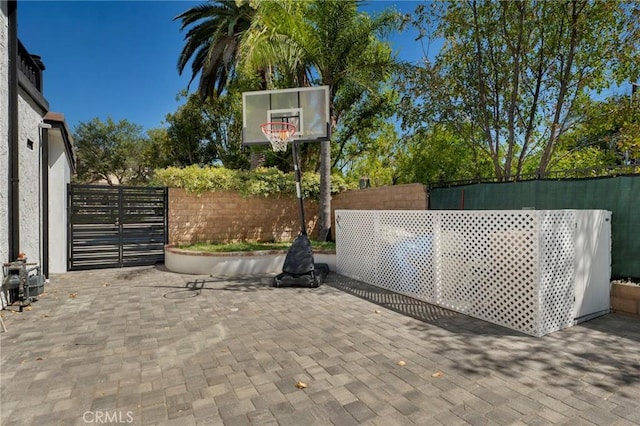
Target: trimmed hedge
259 182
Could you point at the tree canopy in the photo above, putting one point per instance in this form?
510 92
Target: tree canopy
326 43
511 76
110 152
205 131
214 32
517 89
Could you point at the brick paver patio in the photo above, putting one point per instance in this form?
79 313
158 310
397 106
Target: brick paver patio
146 346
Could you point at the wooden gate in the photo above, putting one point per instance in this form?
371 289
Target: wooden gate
116 226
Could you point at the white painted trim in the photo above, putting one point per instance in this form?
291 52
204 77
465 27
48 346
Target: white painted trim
233 264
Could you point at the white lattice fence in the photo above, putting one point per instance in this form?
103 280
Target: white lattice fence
557 270
513 268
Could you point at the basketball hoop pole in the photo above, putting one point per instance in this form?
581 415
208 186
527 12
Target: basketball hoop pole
296 166
293 116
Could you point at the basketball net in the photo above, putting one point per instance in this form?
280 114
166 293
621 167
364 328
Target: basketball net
279 134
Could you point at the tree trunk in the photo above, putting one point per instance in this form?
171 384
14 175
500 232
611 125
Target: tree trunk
324 219
257 159
539 74
485 121
556 127
516 53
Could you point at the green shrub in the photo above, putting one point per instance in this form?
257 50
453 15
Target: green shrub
259 182
264 181
197 179
251 246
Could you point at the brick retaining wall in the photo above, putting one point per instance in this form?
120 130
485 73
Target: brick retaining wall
413 196
228 216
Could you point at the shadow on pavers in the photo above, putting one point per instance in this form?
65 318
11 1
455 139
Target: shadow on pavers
566 357
417 309
601 353
569 358
251 283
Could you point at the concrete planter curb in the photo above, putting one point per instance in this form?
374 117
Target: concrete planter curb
234 263
625 298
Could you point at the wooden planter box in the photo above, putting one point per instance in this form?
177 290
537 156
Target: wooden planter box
625 298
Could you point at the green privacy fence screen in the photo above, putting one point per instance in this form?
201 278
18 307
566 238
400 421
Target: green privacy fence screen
620 195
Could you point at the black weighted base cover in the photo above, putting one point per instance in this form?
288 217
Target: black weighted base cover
299 260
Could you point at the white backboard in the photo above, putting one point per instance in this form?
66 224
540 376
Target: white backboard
305 107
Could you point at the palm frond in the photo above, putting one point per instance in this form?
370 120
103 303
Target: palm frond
213 32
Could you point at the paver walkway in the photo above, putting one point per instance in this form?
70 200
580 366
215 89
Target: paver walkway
146 346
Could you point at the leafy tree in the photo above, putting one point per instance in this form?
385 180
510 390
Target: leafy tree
215 29
204 131
325 43
224 115
516 72
589 157
611 126
364 126
608 135
440 154
378 162
110 152
189 135
158 152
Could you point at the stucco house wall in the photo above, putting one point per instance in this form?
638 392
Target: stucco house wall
29 149
29 115
41 204
60 172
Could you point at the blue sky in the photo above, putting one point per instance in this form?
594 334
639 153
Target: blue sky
118 58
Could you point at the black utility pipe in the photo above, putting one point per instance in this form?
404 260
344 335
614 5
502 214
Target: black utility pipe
45 200
14 195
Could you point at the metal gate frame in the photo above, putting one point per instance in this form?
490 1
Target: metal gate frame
116 226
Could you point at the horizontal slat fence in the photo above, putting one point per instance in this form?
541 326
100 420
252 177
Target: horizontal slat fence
116 226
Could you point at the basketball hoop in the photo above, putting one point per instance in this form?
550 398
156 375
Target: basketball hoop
279 134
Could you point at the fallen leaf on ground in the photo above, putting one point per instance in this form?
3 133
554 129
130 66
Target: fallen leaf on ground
301 385
39 359
377 311
437 374
401 363
106 285
73 295
44 316
28 308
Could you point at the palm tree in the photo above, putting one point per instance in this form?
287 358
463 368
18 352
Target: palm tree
323 42
212 41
